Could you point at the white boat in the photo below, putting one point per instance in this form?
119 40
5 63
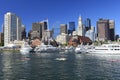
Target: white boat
25 48
61 59
45 48
106 48
80 49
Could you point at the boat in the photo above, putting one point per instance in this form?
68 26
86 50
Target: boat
45 48
61 59
25 48
106 48
80 49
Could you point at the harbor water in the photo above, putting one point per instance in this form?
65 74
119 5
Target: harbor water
58 66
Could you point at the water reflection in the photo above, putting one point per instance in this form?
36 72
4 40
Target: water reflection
11 67
44 66
98 67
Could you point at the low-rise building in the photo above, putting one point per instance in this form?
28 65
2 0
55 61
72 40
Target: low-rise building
77 40
36 42
62 39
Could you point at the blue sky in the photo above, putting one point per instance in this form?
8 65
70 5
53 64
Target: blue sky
61 11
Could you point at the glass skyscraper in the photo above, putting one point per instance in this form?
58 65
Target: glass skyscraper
71 27
12 28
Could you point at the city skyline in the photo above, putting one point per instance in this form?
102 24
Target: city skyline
61 11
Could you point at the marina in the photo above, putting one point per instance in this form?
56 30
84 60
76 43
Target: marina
59 40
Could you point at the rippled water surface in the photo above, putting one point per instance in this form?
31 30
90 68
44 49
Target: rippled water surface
59 66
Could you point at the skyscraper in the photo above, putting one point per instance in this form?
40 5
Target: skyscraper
71 27
112 29
103 29
63 28
87 24
80 27
38 28
23 32
12 28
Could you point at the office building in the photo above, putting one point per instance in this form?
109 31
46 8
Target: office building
12 28
38 28
80 30
87 24
62 38
105 30
63 28
112 29
23 32
71 27
47 35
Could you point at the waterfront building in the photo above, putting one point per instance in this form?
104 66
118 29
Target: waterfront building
23 32
63 28
38 28
62 38
36 42
78 40
80 30
71 27
105 29
12 28
18 43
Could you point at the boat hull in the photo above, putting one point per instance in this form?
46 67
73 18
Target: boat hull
25 50
104 52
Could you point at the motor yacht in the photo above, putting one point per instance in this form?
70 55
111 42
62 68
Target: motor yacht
25 48
106 48
45 48
80 49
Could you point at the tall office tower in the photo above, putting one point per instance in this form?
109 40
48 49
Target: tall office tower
38 28
103 30
44 27
12 28
23 32
80 30
112 29
87 24
71 27
63 28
